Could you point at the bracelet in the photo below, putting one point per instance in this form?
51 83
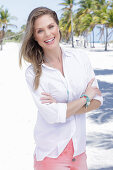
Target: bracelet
87 99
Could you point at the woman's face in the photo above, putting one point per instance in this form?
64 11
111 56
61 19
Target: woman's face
46 32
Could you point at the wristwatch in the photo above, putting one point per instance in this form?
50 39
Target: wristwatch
87 99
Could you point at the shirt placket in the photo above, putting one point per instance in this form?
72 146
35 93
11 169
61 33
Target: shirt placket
65 82
69 90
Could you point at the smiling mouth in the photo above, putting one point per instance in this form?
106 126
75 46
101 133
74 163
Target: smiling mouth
50 40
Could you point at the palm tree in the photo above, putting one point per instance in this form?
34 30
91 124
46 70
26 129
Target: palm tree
65 25
103 12
84 22
23 27
68 14
93 13
82 25
4 23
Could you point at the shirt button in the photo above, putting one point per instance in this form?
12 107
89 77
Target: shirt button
73 159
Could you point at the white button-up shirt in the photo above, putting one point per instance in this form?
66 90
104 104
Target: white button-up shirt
53 130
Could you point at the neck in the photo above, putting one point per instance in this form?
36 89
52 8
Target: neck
53 56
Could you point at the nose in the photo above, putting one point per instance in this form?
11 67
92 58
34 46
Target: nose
47 33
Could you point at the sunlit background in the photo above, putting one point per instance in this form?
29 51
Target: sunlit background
86 25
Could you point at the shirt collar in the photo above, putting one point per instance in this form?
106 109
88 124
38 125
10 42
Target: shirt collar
65 53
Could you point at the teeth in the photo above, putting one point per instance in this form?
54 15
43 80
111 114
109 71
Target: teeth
50 40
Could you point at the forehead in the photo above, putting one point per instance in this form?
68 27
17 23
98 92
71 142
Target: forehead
43 21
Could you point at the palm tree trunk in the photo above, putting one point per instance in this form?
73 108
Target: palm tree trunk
106 39
90 41
93 39
2 36
84 41
72 29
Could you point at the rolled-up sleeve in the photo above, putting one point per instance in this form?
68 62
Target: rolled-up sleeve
52 113
90 74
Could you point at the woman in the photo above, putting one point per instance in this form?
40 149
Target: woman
64 88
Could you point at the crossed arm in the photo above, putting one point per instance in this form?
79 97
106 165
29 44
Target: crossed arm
78 106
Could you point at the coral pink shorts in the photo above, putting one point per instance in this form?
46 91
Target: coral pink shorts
65 161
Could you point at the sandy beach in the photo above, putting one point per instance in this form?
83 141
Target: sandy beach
18 113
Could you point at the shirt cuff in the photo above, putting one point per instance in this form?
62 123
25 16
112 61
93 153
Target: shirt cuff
62 109
100 98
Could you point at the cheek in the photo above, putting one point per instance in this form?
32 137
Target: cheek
57 33
38 38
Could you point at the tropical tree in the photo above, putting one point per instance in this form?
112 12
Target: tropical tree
23 27
5 18
104 15
66 21
94 13
110 21
65 25
19 35
86 18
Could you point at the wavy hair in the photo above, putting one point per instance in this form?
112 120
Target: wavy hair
30 50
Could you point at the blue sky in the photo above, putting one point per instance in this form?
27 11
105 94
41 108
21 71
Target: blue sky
22 8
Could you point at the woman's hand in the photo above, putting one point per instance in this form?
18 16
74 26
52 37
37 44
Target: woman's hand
47 98
92 91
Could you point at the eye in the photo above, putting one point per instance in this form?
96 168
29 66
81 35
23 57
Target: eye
39 31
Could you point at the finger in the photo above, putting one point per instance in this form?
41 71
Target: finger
91 82
46 101
95 87
47 97
98 92
47 94
44 98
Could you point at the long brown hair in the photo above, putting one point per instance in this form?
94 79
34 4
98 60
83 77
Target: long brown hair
30 50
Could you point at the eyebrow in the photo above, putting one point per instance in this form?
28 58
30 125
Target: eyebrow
42 28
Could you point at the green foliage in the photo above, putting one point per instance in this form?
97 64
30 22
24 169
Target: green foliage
5 18
67 18
12 36
88 15
5 22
